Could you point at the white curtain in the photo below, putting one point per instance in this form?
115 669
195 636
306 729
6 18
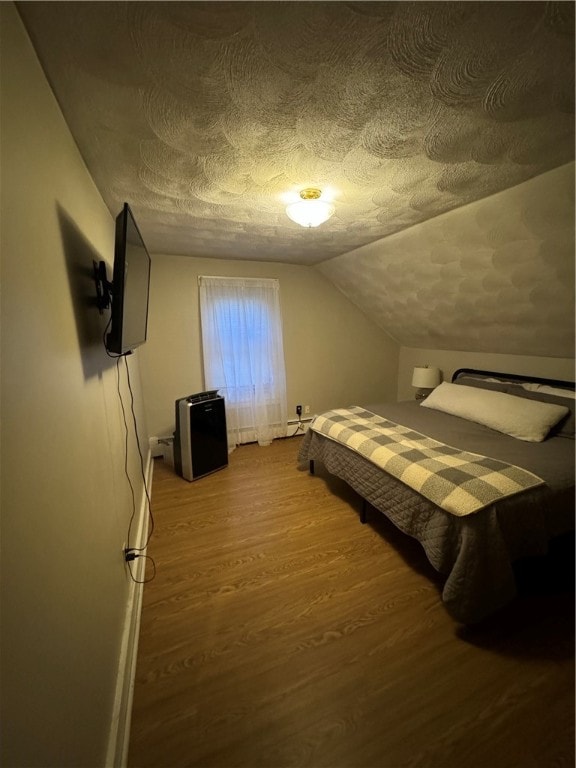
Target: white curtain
244 355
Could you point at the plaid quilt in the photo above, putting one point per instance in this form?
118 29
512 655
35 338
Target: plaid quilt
457 481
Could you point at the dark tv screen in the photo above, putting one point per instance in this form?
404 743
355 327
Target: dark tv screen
130 287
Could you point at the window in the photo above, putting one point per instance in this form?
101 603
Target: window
244 355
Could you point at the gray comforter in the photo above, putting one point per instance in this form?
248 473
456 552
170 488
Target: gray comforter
475 552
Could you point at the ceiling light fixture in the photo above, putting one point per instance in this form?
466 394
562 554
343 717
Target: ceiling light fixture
310 211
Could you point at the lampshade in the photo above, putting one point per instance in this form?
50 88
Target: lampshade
426 377
310 211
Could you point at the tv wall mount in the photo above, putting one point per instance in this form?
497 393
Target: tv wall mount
103 286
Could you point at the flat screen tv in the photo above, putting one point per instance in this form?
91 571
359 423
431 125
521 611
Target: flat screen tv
130 287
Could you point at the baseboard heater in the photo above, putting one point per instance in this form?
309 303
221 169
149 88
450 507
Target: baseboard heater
293 424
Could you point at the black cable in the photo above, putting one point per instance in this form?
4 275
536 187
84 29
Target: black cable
141 581
150 514
126 472
110 354
298 428
131 550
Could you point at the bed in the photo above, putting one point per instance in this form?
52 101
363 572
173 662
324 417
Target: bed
479 414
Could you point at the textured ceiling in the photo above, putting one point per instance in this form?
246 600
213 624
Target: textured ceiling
209 117
496 277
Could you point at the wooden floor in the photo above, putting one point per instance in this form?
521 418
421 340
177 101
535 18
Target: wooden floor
279 631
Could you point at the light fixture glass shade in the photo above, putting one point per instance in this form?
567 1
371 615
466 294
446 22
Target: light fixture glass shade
310 211
425 377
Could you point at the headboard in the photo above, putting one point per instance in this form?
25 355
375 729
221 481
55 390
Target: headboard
512 377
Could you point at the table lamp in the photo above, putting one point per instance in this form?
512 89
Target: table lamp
425 378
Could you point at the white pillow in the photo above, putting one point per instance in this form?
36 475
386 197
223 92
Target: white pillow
557 391
528 420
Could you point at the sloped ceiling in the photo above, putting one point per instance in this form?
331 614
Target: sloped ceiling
209 117
496 276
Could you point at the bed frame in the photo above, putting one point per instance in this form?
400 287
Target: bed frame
513 377
478 568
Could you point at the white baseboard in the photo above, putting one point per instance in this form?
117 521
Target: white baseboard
119 739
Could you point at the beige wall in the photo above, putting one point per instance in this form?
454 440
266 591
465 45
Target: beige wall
334 354
65 500
449 361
